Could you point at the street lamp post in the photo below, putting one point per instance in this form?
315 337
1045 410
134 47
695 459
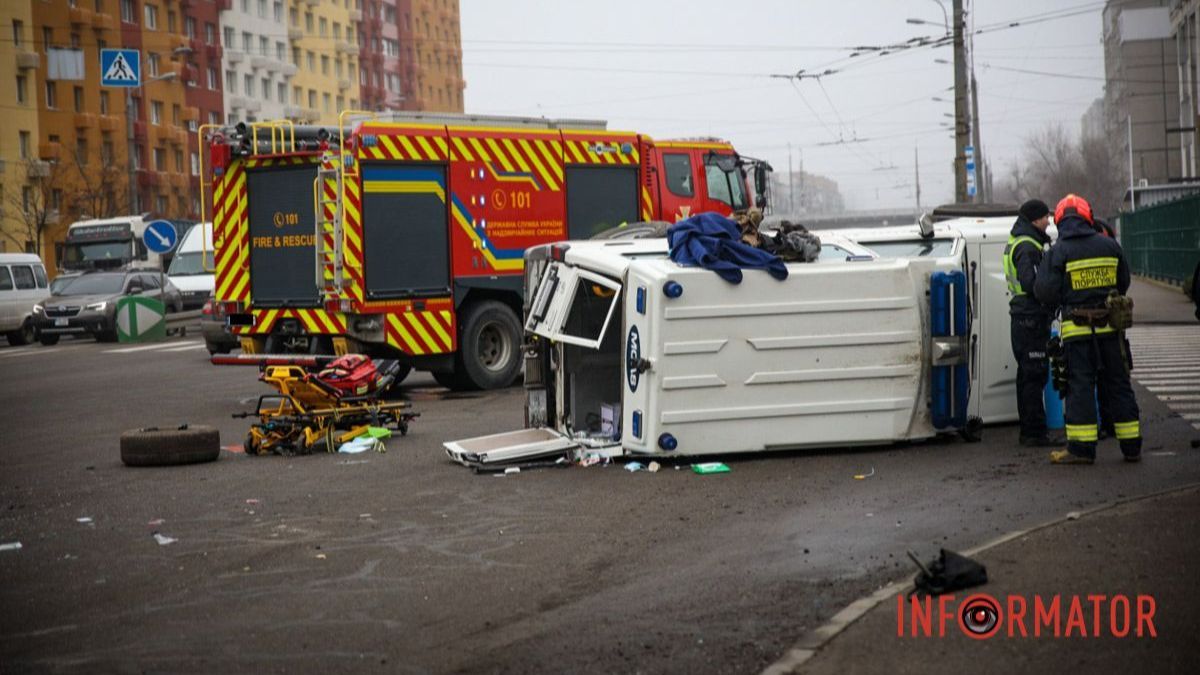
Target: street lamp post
129 115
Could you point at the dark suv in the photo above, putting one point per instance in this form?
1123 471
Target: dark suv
87 304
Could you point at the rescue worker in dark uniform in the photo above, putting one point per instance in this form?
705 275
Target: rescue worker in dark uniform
1029 319
1077 276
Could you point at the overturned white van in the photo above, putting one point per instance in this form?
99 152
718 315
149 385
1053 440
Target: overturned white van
878 341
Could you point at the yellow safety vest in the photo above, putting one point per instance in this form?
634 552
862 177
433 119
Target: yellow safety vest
1010 269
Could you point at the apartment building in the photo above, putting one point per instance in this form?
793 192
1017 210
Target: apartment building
256 58
432 55
1185 30
325 51
204 93
380 65
20 167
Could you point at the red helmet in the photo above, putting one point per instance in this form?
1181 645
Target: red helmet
1073 205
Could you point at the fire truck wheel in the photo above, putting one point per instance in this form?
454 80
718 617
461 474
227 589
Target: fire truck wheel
489 355
169 447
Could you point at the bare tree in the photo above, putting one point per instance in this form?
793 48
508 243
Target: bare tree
35 203
102 188
1054 165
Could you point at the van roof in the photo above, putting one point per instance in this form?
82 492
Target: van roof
26 258
114 219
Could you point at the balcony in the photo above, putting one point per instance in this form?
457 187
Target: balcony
175 135
139 130
110 122
214 52
356 15
80 16
102 21
147 178
177 41
85 121
344 83
347 47
261 62
287 69
178 181
293 112
50 151
191 114
310 115
39 168
295 33
235 57
312 3
28 60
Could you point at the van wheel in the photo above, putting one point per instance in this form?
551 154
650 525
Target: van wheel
48 340
170 447
489 353
23 335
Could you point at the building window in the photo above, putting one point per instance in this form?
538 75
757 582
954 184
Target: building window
51 94
281 91
128 11
189 27
280 51
22 90
160 159
210 33
308 22
297 95
178 161
152 62
24 143
247 43
294 17
106 149
323 24
229 37
312 99
266 89
160 204
195 164
156 112
212 79
262 9
18 32
47 37
231 81
324 65
81 151
277 11
151 17
326 100
78 96
296 56
103 102
337 31
175 114
311 60
138 150
214 117
170 21
248 85
263 45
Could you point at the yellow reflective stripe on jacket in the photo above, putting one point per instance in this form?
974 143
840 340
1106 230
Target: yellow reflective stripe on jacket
1092 273
1127 430
1083 433
1010 268
1070 330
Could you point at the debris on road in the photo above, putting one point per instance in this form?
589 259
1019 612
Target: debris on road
362 444
653 467
164 540
11 546
251 501
84 520
635 466
185 444
155 522
949 572
863 476
706 468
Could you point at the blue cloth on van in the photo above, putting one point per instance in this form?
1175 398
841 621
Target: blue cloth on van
713 242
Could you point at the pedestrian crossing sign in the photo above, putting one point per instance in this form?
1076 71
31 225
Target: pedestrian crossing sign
120 68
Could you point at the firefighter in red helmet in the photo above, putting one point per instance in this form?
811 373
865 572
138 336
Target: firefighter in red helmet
1085 275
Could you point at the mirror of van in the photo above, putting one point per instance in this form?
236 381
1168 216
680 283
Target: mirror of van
760 186
136 288
926 223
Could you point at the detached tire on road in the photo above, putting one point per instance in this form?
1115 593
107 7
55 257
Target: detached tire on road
489 352
170 447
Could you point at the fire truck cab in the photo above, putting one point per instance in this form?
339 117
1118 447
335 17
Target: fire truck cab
405 235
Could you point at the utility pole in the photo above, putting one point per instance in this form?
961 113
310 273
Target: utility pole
960 106
791 183
979 182
1129 142
129 115
917 176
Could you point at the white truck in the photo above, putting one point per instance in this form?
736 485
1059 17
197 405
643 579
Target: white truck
109 243
888 336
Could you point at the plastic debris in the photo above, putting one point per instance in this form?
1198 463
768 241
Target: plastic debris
863 476
1074 515
513 469
379 432
710 467
156 521
251 501
362 444
635 466
349 462
654 467
1164 453
164 540
11 546
320 556
84 520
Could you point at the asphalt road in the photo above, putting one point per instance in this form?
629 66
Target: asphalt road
405 562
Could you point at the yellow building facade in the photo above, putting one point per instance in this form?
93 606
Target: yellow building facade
325 50
19 133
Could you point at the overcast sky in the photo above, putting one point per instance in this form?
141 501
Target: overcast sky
673 68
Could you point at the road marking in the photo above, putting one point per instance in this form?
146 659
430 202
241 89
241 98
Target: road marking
184 348
1167 363
165 346
35 352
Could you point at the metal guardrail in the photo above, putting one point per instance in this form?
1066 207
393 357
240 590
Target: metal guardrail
189 320
1163 241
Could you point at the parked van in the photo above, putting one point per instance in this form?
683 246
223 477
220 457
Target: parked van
23 284
192 268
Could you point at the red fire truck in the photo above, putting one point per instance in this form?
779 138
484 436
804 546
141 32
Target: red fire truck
405 235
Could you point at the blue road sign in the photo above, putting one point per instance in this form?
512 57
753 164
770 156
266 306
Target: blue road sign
160 236
120 68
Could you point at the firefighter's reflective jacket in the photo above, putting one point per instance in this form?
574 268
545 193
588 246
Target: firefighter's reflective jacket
1022 257
1078 273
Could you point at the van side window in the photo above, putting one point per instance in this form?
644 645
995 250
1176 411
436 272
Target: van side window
149 281
39 273
5 279
23 276
679 174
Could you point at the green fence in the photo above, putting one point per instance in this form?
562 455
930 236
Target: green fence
1163 241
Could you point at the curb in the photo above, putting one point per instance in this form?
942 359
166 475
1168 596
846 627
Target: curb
809 644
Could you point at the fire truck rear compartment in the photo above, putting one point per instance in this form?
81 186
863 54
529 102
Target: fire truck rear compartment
281 236
599 198
405 237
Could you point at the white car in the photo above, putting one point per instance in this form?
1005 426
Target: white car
192 267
